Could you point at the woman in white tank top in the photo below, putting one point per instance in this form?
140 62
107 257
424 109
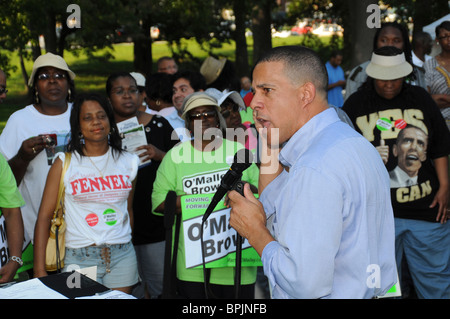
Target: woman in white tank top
99 184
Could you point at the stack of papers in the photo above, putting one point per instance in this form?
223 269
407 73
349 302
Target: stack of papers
30 289
67 285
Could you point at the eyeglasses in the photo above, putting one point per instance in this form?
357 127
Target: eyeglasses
3 91
54 76
121 92
203 115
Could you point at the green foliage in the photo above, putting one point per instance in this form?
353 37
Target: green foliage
91 73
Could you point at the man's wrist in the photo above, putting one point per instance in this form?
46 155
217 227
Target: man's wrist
260 240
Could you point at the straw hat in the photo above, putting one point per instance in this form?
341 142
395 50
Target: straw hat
222 96
49 59
388 67
198 99
211 68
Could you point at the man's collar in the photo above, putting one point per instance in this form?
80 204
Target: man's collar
302 139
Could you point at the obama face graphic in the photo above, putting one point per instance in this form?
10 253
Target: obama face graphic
411 149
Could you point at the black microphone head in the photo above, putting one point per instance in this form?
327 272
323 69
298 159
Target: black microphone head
242 160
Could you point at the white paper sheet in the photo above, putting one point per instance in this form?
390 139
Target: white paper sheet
112 294
30 289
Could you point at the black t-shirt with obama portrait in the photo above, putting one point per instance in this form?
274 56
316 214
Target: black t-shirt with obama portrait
412 133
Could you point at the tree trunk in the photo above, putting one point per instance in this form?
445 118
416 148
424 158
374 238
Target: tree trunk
143 58
50 34
35 49
262 36
65 31
422 13
426 12
242 66
24 71
358 37
143 55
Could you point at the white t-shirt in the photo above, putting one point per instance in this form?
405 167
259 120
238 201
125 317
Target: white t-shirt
22 125
96 207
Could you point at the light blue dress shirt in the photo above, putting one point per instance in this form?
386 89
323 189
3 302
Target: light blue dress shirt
330 215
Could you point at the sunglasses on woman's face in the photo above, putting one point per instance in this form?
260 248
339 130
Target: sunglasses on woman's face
228 108
55 76
202 115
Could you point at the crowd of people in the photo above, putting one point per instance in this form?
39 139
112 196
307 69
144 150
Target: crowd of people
361 173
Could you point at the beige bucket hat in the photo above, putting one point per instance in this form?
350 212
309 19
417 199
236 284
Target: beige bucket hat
198 99
211 68
49 59
388 67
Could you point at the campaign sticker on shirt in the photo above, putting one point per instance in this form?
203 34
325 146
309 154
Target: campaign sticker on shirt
384 124
110 217
92 219
400 124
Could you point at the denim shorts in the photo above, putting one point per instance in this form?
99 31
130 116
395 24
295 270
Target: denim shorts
116 264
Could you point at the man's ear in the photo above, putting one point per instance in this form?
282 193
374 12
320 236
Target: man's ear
307 93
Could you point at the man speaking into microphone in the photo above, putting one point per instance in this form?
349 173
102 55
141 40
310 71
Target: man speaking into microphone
323 224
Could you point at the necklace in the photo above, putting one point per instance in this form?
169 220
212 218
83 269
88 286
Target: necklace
106 165
442 61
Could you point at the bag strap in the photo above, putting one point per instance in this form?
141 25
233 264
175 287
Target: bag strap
60 202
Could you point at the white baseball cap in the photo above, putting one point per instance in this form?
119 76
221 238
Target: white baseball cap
140 79
222 96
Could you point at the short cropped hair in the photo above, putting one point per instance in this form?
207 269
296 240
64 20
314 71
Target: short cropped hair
195 79
114 76
164 58
301 65
336 53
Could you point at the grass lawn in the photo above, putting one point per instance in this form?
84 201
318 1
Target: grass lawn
92 73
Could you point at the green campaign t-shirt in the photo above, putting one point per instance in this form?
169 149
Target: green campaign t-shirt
186 170
247 116
10 197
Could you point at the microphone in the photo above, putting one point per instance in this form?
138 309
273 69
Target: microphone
242 160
